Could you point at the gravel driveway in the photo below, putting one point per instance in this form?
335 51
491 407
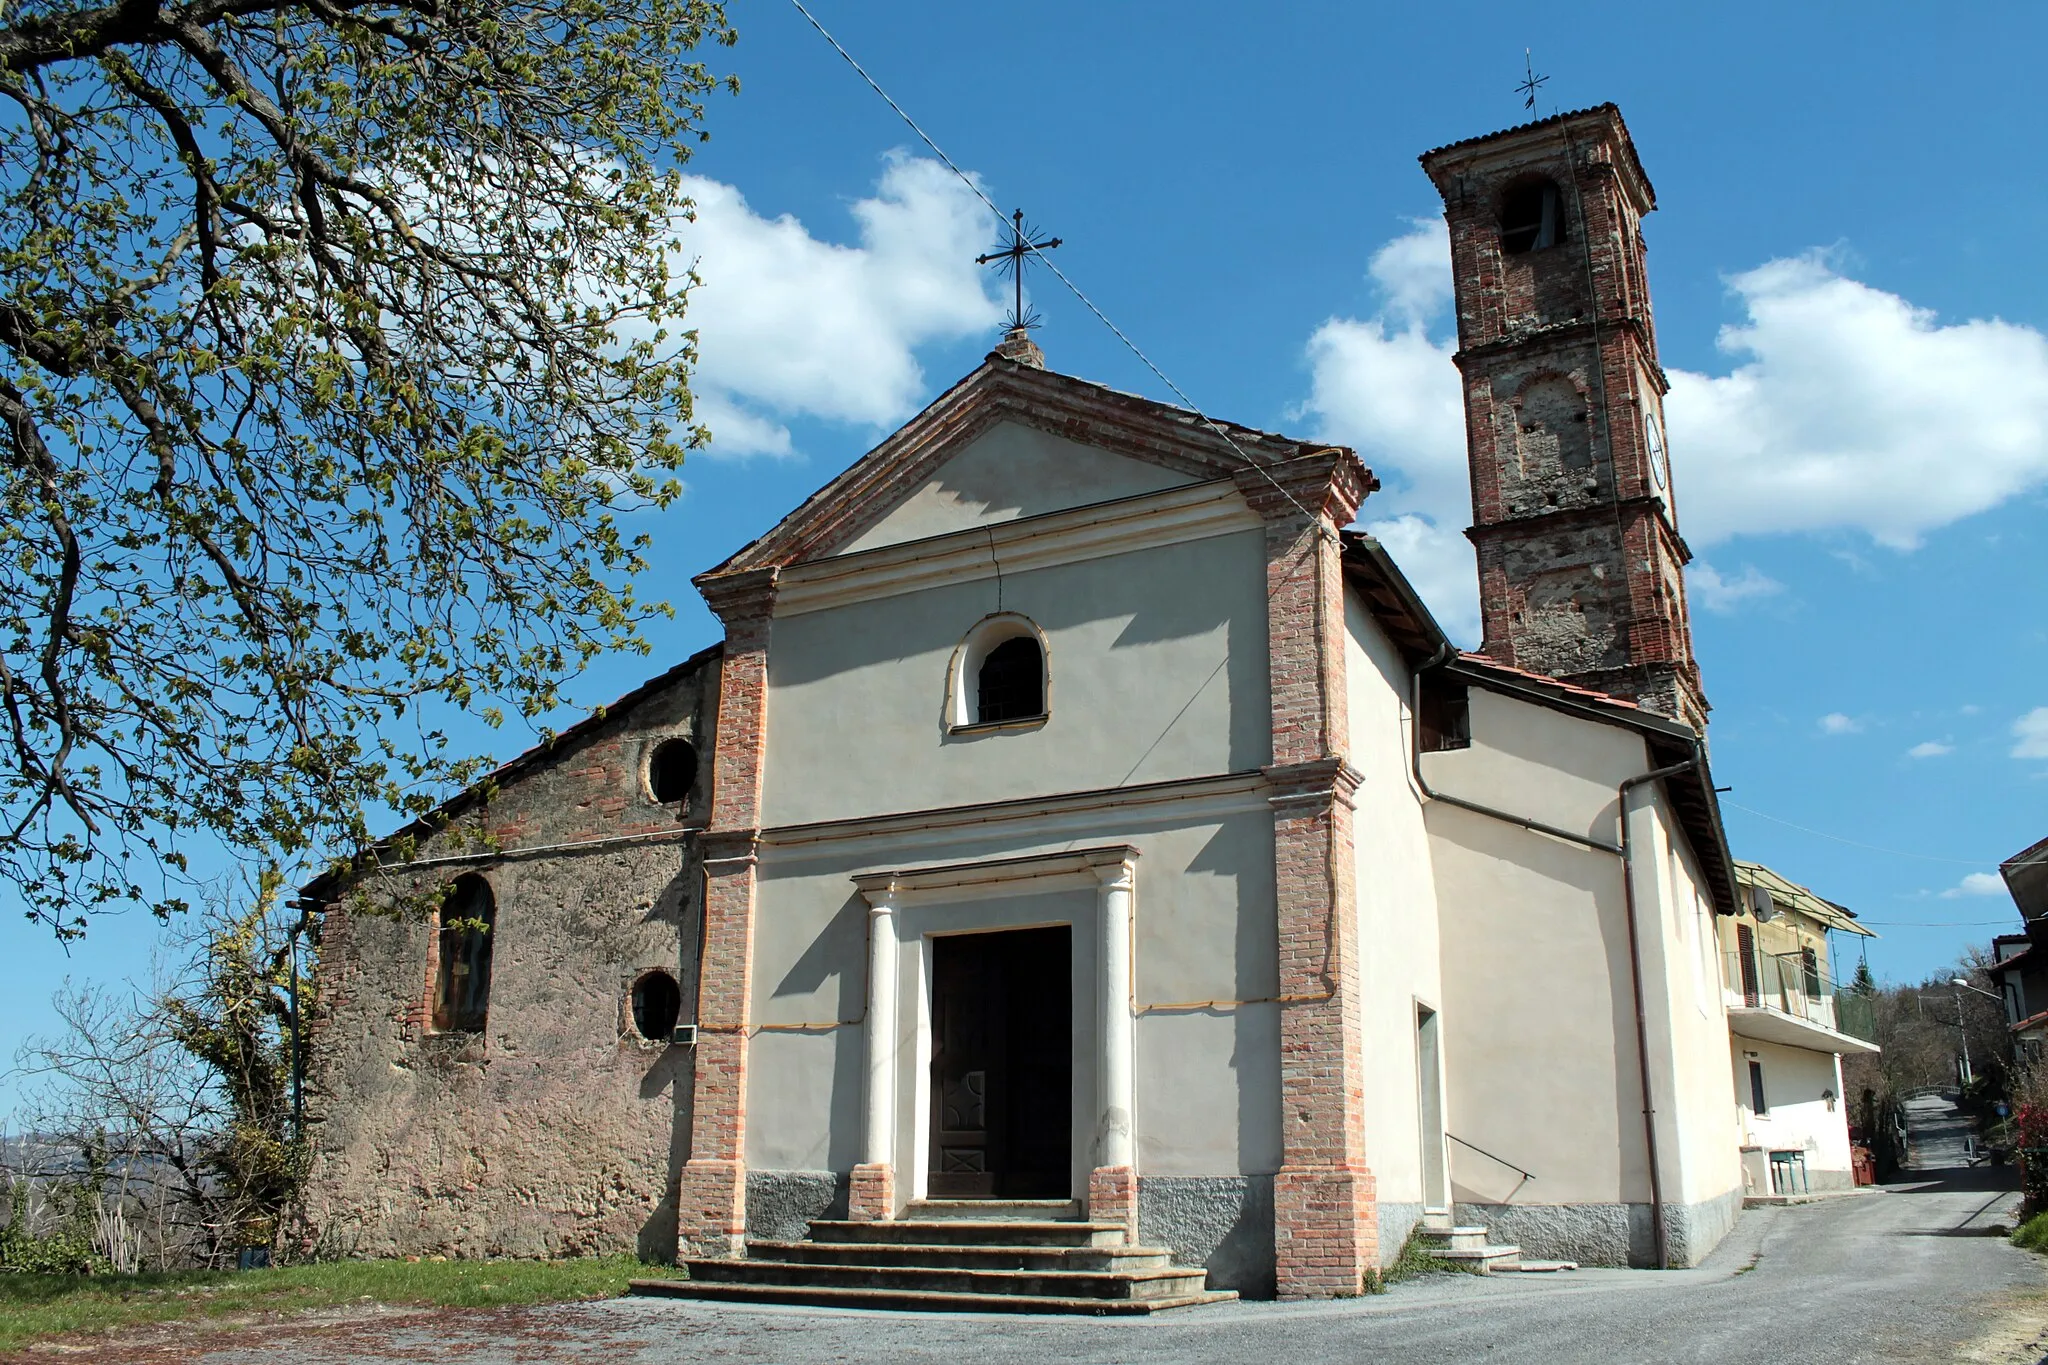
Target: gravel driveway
1908 1274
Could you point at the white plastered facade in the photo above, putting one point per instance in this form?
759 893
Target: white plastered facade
1494 980
1793 1041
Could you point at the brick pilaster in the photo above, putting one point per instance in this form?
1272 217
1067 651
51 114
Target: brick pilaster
1326 1236
712 1207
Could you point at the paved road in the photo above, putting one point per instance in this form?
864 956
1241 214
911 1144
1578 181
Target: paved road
1937 1137
1908 1274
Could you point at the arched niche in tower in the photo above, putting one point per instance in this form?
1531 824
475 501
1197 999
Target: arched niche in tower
1553 426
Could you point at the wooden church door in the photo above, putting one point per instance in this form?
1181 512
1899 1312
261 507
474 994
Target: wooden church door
1002 1065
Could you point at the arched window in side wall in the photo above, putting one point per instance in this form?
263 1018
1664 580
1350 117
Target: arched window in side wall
462 981
999 674
671 771
657 1003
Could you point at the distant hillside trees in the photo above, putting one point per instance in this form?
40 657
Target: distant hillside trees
160 1118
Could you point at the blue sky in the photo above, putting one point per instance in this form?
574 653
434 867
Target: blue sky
1846 268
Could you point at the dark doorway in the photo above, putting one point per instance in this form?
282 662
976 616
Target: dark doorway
1002 1065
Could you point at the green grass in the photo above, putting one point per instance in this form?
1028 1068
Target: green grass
1414 1261
38 1307
2032 1234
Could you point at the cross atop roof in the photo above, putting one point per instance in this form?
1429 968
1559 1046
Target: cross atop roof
1531 82
1009 261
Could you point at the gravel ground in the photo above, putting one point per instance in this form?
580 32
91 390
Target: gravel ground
1908 1274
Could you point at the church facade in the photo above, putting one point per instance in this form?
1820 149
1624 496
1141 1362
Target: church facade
1086 814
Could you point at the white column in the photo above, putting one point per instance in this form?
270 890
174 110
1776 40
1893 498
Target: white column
1116 1073
881 1029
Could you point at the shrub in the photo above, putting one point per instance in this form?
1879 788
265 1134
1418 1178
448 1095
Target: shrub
2032 1234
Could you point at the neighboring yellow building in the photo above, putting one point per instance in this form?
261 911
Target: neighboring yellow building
1788 1031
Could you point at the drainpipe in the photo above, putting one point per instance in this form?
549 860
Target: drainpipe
1623 850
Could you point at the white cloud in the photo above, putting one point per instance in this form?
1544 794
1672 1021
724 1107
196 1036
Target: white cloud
1930 749
1720 594
1853 408
791 325
1835 723
1847 408
1976 884
1384 386
2031 732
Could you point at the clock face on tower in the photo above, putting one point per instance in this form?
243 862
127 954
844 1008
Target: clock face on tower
1653 447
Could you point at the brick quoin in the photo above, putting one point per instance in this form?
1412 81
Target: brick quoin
871 1192
1113 1198
1325 1233
711 1213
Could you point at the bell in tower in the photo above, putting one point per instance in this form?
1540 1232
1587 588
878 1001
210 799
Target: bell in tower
1580 560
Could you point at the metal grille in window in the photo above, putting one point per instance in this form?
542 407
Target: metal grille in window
462 985
1011 684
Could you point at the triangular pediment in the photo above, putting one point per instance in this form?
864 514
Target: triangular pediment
1007 441
1012 470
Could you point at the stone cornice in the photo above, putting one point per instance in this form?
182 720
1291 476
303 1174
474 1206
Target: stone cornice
1563 518
1104 865
1315 785
1330 483
728 845
1219 794
747 595
1559 335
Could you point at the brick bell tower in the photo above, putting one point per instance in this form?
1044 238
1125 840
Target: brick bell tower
1580 560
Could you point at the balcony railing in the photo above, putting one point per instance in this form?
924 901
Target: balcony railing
1794 986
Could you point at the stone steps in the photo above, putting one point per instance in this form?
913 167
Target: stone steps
993 1210
972 1256
1487 1260
1466 1245
920 1302
1161 1283
975 1232
964 1257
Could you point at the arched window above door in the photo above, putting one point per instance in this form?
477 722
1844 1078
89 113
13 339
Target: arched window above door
999 675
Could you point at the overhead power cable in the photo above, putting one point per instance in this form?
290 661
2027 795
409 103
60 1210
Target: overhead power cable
1876 848
1059 274
1937 923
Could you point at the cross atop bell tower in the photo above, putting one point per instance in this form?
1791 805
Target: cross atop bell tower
1580 559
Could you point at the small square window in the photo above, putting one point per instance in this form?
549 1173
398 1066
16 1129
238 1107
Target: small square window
1446 716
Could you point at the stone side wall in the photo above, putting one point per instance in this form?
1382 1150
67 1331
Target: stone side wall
557 1130
1607 1234
1222 1223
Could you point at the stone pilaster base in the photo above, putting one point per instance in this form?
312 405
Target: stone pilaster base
871 1195
711 1209
1113 1198
1325 1231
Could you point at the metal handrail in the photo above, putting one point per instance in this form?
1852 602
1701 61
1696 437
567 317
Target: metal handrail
1526 1175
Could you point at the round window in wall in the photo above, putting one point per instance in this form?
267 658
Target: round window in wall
657 1005
672 771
